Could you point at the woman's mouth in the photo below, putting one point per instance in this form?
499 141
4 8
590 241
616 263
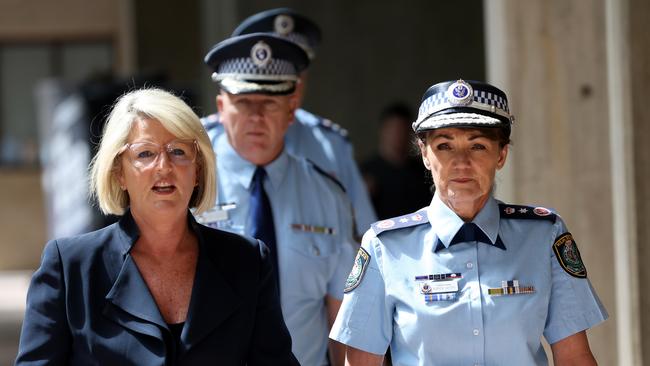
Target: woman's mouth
164 188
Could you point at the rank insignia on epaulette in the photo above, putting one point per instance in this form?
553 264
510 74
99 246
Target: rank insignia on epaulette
313 229
567 254
412 219
358 270
526 212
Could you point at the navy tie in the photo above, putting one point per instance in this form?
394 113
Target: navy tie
261 217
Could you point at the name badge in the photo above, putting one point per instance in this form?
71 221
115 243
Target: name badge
439 287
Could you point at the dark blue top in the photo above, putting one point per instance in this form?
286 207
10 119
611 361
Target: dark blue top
88 305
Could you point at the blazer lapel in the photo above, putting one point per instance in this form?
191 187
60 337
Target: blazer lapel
131 305
129 302
213 300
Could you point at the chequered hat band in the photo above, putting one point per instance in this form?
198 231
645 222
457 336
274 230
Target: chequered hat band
481 100
275 70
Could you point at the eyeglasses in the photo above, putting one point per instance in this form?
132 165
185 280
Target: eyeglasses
144 155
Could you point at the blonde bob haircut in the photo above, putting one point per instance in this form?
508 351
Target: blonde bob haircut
177 118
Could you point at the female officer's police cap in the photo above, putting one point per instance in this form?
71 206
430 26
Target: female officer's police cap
463 104
257 63
284 22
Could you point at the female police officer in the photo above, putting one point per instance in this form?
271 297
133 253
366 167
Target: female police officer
468 279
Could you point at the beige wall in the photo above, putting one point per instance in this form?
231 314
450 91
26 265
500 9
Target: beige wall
553 65
72 20
22 218
22 215
46 19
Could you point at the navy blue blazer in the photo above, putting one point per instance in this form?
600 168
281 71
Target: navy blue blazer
88 305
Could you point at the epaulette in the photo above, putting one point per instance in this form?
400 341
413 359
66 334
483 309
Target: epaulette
526 212
400 222
313 120
327 175
335 127
210 120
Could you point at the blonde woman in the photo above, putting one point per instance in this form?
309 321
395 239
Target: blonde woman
155 288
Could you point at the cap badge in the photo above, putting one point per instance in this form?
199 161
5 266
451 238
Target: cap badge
283 24
261 54
460 93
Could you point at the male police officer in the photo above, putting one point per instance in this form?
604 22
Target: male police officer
316 138
298 210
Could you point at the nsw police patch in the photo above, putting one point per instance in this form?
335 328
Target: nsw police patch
567 254
358 270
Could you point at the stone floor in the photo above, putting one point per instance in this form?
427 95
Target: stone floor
13 288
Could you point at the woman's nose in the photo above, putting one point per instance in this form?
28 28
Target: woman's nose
163 162
461 157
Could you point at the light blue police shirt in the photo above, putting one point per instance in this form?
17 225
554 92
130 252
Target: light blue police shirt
388 306
313 226
319 141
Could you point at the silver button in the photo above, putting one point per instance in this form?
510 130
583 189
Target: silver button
470 265
475 332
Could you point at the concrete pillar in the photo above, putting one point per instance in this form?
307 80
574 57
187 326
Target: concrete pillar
550 56
637 38
621 132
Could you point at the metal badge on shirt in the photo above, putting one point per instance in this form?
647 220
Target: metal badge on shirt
439 287
217 216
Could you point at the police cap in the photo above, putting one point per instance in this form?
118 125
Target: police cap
463 104
256 63
284 22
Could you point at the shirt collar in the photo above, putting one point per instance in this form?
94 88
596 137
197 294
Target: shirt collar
445 222
230 161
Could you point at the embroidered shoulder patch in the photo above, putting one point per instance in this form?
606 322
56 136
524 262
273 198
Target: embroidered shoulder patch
412 219
567 254
358 270
526 212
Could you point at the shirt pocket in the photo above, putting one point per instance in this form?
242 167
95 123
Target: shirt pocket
313 245
307 264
